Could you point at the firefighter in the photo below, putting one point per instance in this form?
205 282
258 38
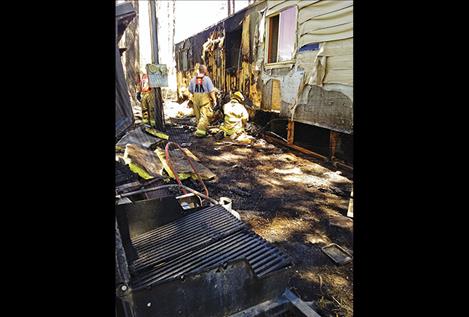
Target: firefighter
203 99
235 117
147 102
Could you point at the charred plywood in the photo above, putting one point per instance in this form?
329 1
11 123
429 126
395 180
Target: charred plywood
328 109
212 56
267 95
280 72
245 39
276 100
255 90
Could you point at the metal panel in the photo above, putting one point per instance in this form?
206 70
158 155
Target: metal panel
124 175
125 13
144 216
218 291
124 114
124 9
138 136
204 239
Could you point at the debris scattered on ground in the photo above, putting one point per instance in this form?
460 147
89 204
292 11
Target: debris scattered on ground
339 255
123 174
287 198
182 166
157 133
341 222
138 136
142 161
178 110
269 189
350 206
239 192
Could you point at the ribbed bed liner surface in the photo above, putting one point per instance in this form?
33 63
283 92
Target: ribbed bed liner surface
203 239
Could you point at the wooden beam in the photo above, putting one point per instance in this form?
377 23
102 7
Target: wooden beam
306 151
350 206
341 164
299 305
296 147
291 132
333 136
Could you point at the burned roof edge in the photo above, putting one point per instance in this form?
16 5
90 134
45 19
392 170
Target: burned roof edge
231 17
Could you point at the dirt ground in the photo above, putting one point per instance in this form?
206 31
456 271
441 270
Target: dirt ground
296 203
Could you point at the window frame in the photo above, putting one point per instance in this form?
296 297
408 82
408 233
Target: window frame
267 41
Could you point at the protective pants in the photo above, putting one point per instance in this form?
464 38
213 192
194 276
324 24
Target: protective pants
148 107
203 112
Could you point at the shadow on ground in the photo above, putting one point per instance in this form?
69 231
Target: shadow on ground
294 203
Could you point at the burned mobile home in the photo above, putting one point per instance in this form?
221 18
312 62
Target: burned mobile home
183 253
294 61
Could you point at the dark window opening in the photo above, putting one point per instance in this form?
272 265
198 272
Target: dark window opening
232 49
273 39
179 60
185 64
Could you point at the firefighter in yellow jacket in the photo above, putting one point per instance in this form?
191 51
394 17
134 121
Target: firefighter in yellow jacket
235 116
203 99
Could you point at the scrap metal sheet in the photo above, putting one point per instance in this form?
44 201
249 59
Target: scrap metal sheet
142 161
138 136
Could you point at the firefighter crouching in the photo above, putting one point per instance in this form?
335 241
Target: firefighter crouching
235 119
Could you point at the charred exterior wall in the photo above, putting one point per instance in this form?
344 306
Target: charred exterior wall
327 109
315 87
229 49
